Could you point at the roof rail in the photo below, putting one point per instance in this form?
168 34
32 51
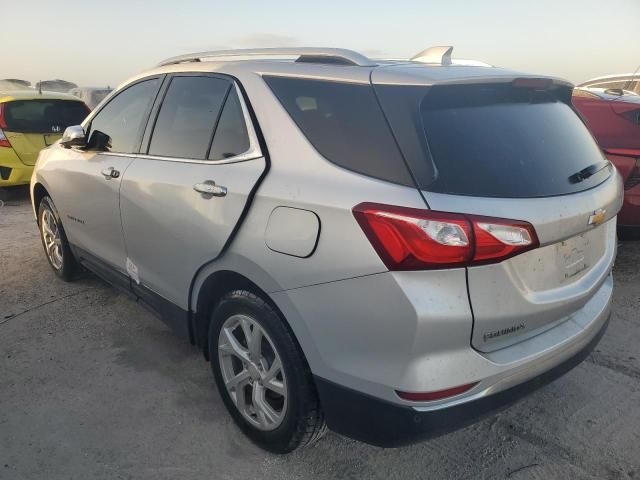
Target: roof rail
344 56
440 55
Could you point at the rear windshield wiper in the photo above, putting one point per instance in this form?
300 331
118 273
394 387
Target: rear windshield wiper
589 171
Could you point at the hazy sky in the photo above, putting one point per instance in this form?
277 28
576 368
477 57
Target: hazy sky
103 42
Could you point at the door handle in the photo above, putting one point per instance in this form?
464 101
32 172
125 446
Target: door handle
209 189
110 172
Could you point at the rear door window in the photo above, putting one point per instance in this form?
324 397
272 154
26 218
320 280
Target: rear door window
43 116
188 117
494 140
345 124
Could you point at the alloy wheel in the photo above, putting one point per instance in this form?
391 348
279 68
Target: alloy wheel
52 239
252 372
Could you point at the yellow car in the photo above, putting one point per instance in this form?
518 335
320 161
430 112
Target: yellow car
29 122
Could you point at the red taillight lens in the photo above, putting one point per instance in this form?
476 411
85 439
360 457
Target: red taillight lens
438 395
3 121
535 83
3 124
497 239
415 239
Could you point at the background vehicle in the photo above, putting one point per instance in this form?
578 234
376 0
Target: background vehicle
290 218
61 86
7 84
29 122
623 81
614 120
91 96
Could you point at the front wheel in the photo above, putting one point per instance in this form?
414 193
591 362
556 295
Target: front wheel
54 240
262 376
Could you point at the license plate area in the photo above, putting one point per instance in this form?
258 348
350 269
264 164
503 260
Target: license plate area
572 256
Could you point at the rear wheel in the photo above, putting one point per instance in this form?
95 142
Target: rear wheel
262 375
54 240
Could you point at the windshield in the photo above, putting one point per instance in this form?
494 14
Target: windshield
493 140
43 116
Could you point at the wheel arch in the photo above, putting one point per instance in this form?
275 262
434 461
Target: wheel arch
39 191
211 290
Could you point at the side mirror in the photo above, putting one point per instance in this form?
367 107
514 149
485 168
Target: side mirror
74 137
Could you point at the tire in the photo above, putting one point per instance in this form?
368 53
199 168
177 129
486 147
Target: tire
59 256
293 417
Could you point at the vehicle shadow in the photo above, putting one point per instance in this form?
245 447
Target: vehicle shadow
14 194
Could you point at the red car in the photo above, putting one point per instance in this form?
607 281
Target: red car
613 116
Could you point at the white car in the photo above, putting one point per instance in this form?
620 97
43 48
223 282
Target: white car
92 96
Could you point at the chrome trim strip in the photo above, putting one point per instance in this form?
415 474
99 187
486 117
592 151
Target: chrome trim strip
254 152
238 158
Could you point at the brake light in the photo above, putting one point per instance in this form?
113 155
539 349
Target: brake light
438 395
3 124
535 83
416 239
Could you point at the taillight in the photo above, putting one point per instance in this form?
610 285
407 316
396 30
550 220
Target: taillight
3 140
498 239
416 239
3 121
535 83
3 124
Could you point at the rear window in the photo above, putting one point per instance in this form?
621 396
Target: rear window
493 140
345 124
43 116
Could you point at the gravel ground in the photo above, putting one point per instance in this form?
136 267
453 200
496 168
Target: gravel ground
92 386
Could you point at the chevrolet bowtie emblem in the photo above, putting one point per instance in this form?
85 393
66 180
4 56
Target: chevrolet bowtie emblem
597 217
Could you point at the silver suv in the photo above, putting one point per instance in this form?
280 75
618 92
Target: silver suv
390 249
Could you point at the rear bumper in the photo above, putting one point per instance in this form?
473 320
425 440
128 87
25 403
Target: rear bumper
385 424
13 172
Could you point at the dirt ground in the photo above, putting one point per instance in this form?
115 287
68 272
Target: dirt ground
92 386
